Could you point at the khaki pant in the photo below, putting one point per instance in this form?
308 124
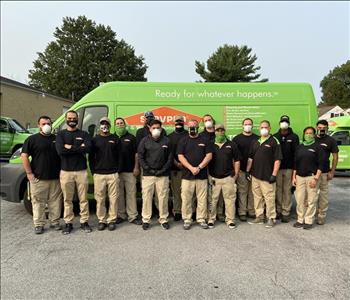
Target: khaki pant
127 206
70 179
245 194
188 188
227 188
156 201
175 183
305 195
264 195
46 192
322 201
104 183
155 185
220 203
283 192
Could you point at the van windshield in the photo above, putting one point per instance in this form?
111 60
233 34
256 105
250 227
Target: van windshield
17 126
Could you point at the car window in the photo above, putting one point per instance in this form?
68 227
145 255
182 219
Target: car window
92 116
17 126
4 126
342 137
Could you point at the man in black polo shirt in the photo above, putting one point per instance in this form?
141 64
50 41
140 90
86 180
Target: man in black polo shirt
209 128
43 174
72 145
329 145
129 170
194 152
156 157
176 169
263 163
289 142
104 165
224 169
243 142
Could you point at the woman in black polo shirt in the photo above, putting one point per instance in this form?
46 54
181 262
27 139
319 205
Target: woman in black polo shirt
306 173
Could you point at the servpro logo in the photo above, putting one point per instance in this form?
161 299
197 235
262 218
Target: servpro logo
165 114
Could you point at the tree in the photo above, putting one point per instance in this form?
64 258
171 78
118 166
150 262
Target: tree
83 55
336 86
230 64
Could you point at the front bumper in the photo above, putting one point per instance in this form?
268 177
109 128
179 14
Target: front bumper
12 176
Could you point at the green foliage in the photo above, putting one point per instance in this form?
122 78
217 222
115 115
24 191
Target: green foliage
83 55
230 64
336 86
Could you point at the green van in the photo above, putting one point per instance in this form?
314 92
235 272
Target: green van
339 129
228 103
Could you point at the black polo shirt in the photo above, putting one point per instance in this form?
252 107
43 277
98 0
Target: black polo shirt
194 150
174 138
329 145
45 163
308 159
264 155
221 165
289 143
128 151
243 143
210 136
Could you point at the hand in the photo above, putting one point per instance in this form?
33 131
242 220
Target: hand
312 183
330 175
272 179
194 170
294 181
32 178
67 146
136 172
248 176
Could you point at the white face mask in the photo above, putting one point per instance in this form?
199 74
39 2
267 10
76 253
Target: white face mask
208 124
264 132
247 128
104 128
46 129
156 133
284 125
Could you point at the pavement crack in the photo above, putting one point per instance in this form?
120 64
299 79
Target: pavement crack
275 282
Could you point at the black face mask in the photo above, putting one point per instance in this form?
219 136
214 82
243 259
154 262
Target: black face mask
322 132
72 124
179 127
193 131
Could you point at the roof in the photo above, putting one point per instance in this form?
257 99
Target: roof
322 109
15 83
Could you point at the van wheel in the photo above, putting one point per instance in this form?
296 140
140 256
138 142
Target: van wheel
27 203
15 148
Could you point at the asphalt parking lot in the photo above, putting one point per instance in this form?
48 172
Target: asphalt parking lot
249 262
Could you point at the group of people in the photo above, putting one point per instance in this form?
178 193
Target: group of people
206 172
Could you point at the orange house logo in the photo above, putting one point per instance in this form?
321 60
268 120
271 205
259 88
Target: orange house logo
165 114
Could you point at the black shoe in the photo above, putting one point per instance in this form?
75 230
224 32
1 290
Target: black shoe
145 226
243 218
56 227
285 219
232 225
85 227
298 225
307 226
177 217
101 226
39 229
67 229
111 226
137 221
165 226
119 220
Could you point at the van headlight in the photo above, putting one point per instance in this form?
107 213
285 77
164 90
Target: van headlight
16 154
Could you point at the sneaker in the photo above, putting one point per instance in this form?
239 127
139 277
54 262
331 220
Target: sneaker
285 219
137 221
39 229
145 226
256 221
211 225
165 226
321 221
307 226
85 227
187 226
204 225
111 226
232 225
243 218
177 217
67 229
119 220
270 223
298 225
101 226
56 227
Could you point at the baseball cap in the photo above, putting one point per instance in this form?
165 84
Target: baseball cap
284 118
105 119
219 126
149 114
179 118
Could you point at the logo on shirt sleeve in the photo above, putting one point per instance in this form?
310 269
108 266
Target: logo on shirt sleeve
311 150
289 141
267 145
79 138
228 147
324 145
165 146
112 142
201 145
126 140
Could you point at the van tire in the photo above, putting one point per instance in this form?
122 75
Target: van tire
15 148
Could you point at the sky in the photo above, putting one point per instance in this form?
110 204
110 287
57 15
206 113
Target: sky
294 41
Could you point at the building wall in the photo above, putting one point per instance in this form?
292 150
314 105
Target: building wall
26 105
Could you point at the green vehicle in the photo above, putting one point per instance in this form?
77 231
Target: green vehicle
12 136
339 129
228 103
